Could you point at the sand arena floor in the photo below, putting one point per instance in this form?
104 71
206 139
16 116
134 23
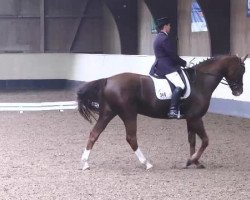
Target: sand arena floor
40 157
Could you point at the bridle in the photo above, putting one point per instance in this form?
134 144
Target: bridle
223 81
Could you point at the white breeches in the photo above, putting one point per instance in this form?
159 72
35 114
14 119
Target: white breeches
175 79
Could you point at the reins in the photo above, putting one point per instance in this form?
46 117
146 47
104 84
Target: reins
207 73
223 81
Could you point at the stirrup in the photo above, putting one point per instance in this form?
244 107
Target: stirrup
174 114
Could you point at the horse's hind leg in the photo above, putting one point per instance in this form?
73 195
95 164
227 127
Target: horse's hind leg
131 127
102 122
196 127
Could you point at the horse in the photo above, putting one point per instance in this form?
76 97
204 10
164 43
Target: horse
126 95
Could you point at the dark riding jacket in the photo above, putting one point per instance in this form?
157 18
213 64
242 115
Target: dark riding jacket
167 61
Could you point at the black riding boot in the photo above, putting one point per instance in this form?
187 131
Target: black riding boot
173 112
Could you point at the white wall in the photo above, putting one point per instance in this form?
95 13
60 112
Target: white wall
35 66
87 67
91 67
81 67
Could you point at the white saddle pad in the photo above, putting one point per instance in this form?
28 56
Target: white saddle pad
163 90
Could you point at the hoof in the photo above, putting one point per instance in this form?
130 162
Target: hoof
85 166
200 166
196 163
189 162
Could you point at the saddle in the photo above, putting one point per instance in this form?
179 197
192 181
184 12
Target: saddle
164 87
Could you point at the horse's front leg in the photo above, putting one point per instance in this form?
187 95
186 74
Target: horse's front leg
195 126
102 122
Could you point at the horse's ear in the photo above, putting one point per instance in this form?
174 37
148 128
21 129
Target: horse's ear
244 58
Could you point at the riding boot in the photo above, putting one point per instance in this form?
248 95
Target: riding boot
173 111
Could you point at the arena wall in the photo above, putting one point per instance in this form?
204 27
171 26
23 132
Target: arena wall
58 71
240 28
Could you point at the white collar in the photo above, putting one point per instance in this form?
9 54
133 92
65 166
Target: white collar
164 33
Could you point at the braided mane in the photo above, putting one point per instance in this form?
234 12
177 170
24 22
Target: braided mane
193 70
206 62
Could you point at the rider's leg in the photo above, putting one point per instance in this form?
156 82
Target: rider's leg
175 100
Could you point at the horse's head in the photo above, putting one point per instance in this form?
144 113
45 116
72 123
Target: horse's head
234 74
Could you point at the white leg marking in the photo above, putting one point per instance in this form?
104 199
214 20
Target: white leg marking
140 156
148 165
85 166
85 157
142 159
194 155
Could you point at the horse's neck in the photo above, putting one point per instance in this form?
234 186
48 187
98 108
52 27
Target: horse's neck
207 79
210 83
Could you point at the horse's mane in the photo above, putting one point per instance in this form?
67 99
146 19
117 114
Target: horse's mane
193 70
212 60
206 62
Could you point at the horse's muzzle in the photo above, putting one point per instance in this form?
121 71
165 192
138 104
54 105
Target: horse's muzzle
237 91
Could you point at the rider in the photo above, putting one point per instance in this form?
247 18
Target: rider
168 63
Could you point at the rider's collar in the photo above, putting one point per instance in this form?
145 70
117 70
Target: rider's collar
164 33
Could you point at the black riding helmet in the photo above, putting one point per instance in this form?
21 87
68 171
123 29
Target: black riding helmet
161 22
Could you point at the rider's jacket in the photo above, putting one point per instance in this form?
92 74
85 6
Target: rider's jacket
167 61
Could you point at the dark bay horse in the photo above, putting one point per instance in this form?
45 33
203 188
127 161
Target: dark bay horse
128 94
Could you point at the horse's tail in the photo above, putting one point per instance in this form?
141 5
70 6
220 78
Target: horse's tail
88 97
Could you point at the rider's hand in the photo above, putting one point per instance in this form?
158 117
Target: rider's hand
190 63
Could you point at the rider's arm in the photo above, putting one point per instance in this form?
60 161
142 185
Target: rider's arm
169 52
